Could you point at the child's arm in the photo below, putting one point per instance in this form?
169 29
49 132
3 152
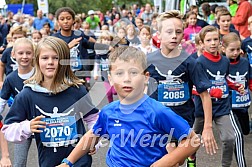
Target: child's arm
96 70
207 134
235 86
88 141
18 132
2 69
5 160
186 147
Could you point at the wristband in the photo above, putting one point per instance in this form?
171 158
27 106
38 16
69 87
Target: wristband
67 162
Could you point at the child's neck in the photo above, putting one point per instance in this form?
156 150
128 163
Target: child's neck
47 84
66 33
213 57
24 70
130 36
170 53
224 32
144 45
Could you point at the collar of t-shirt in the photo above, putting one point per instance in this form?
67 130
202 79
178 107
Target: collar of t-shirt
129 108
27 75
212 57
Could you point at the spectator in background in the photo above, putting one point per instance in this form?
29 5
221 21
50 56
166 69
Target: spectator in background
139 23
39 20
199 22
233 6
117 18
4 29
93 20
51 20
240 20
131 18
47 28
147 14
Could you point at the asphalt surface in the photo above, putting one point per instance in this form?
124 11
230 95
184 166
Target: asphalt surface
99 99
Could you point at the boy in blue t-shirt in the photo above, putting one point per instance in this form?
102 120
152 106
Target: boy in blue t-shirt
137 126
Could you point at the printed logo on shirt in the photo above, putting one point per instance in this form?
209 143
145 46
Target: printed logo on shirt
117 123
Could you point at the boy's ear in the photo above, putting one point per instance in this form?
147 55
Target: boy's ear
223 49
158 35
201 43
13 54
110 80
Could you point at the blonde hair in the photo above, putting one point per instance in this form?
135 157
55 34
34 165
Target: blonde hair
127 53
105 34
230 38
22 41
168 15
133 27
64 77
18 30
250 20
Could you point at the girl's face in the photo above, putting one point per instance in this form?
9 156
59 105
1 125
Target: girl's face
47 28
48 63
144 36
224 22
192 19
36 38
23 54
65 21
130 31
211 42
121 33
106 40
232 50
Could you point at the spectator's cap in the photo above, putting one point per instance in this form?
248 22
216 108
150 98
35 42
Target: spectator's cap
91 12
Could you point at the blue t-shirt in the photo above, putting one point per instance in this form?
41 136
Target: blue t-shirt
216 73
180 73
138 132
10 63
28 104
247 48
38 23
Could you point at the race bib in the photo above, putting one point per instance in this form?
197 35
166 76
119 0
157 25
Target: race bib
173 93
192 37
239 100
220 84
59 131
104 65
75 61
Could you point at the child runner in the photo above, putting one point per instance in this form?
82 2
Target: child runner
138 115
174 73
7 63
132 35
145 39
101 63
239 71
191 31
36 36
217 68
77 41
23 52
51 105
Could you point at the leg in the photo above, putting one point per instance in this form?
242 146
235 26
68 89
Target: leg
227 137
108 91
239 142
21 153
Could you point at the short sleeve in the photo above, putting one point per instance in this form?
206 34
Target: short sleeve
100 127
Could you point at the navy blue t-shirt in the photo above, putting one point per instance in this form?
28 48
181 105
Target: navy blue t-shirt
28 104
10 63
180 73
241 72
216 73
12 85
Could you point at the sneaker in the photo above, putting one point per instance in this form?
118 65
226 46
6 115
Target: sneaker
191 162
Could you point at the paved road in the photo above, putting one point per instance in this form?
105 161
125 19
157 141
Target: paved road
99 99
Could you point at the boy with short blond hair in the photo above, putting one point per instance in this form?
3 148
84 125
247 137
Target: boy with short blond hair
136 114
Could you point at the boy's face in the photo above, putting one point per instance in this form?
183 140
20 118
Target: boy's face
224 22
65 21
16 36
211 42
250 27
23 55
128 80
171 33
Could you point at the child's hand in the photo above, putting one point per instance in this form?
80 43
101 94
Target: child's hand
5 162
95 149
92 151
74 42
241 89
36 123
96 77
